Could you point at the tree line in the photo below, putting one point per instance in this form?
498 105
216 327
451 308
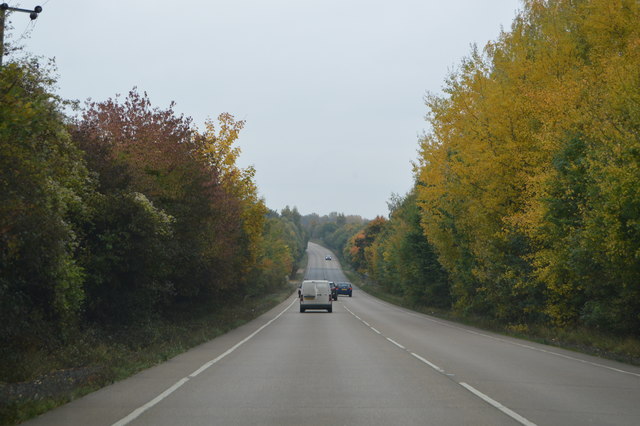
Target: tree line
124 213
526 205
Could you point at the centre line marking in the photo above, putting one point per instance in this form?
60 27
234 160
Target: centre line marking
396 343
517 417
430 364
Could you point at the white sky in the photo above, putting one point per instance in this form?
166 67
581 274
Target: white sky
332 90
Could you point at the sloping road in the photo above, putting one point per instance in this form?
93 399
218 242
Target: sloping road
367 363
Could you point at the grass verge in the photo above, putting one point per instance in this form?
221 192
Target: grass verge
95 358
618 348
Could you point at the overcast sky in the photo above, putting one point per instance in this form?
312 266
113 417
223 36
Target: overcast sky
332 91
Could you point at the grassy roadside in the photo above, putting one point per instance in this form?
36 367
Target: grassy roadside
592 342
94 359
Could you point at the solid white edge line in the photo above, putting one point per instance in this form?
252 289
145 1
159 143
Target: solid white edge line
497 405
204 367
240 343
366 323
595 364
375 330
138 411
396 343
503 340
430 364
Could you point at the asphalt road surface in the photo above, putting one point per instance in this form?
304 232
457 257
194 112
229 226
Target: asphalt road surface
367 363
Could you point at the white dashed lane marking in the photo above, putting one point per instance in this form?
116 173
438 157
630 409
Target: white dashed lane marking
517 417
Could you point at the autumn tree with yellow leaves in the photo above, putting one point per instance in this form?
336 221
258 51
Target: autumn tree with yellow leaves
124 215
529 180
216 147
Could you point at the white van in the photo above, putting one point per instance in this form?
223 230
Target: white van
315 294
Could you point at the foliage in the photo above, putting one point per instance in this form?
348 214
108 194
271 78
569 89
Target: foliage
339 237
528 181
43 182
217 151
294 234
282 247
122 217
99 357
405 262
334 229
128 259
360 248
134 148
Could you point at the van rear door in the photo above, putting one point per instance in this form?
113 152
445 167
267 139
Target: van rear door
309 290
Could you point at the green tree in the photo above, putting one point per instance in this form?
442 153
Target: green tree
129 259
406 263
43 185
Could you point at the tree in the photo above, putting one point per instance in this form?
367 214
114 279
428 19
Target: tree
358 250
527 181
136 149
406 263
43 186
216 149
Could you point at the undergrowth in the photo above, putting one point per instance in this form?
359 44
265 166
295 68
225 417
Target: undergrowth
593 342
52 375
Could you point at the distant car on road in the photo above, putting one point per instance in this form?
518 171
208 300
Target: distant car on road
344 288
315 294
327 258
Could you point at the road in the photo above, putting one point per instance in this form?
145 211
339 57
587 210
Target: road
367 363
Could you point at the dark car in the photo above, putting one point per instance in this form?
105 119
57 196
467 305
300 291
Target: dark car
334 290
344 288
327 257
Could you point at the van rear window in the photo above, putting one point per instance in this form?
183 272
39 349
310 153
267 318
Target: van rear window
309 289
